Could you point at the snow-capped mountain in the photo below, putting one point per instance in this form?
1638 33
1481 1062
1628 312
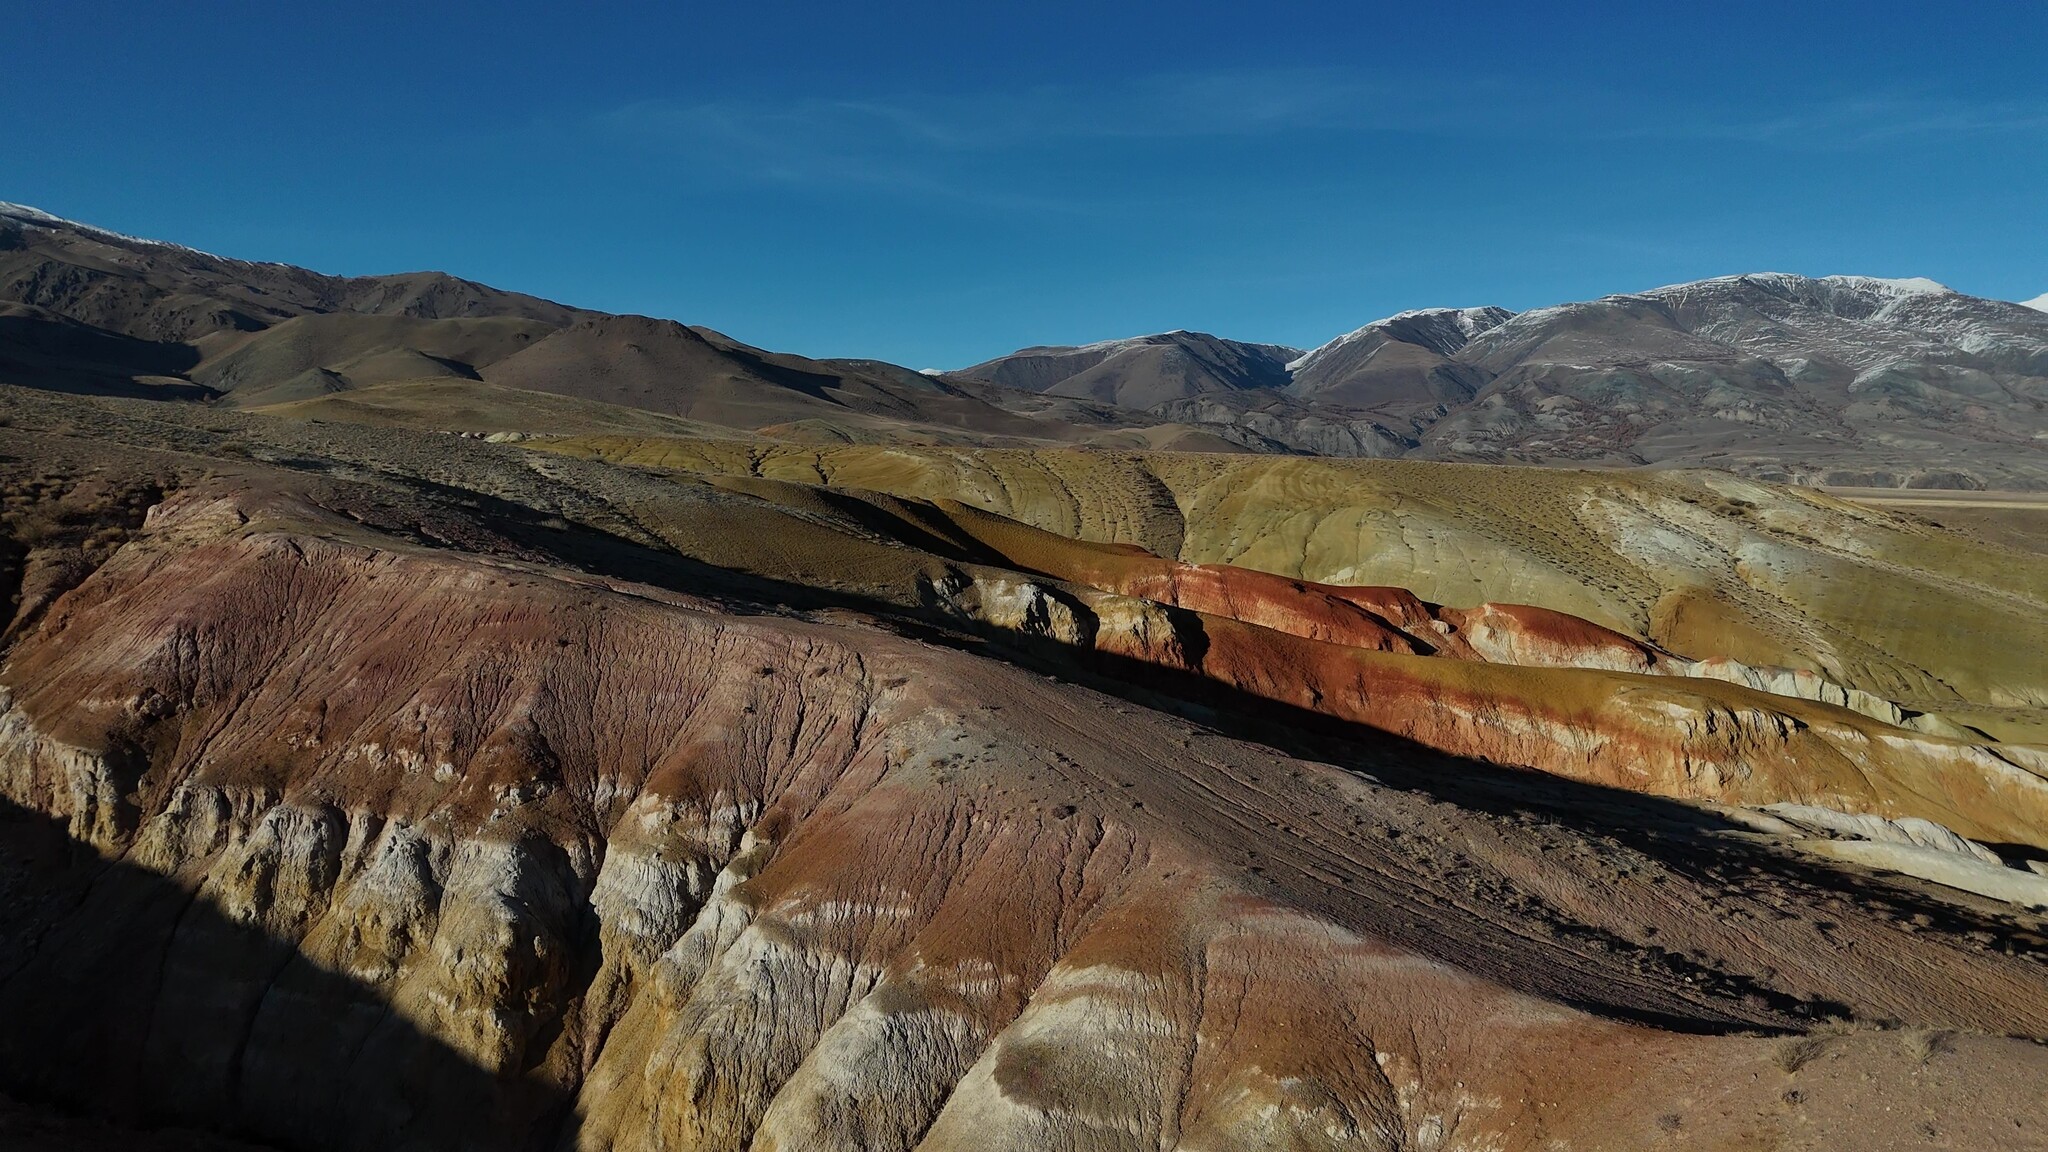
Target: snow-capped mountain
25 216
1832 379
1855 321
2038 303
1846 379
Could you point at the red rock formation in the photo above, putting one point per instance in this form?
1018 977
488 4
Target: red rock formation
1380 619
1521 685
1541 638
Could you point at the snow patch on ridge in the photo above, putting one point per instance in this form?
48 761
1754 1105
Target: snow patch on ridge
1470 321
1895 287
1129 341
1908 286
37 218
2038 303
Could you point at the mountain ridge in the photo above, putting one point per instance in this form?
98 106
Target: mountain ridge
1842 379
1846 380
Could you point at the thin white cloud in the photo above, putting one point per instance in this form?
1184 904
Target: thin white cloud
954 145
966 146
1868 121
1171 106
830 145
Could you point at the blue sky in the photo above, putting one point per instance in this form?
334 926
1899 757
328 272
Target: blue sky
938 183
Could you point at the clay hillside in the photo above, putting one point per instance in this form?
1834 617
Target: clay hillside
432 717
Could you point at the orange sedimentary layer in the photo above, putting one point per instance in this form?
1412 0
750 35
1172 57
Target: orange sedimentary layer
1517 684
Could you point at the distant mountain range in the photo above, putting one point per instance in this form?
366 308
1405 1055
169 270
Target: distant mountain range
1144 370
1840 379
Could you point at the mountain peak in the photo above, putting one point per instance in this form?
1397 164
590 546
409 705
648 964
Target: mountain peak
2038 303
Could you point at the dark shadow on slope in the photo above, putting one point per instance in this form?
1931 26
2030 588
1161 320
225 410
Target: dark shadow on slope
2020 855
1687 839
31 1128
126 997
54 354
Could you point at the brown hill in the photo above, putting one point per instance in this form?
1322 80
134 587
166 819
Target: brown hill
666 367
364 350
92 311
164 292
1140 372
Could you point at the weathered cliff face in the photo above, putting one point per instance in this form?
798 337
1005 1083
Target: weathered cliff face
338 841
